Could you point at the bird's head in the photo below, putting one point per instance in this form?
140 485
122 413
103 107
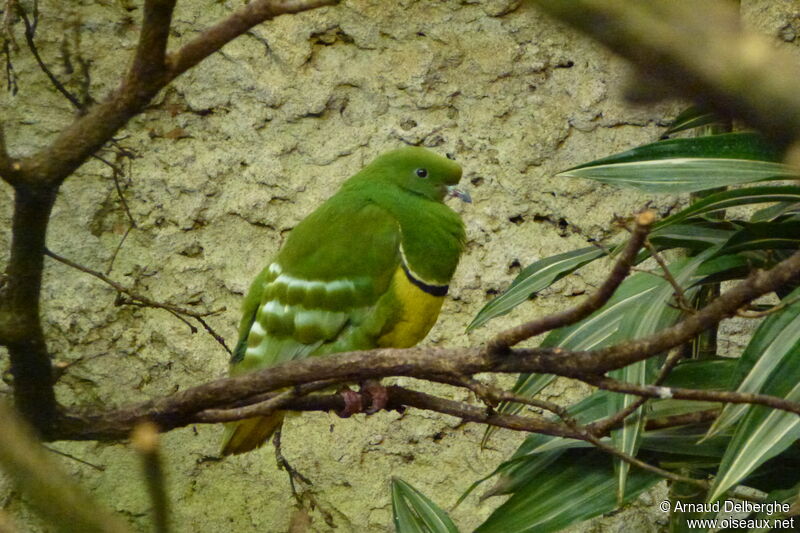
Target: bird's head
419 171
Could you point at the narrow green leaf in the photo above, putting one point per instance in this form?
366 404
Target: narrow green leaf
774 211
695 237
640 321
691 117
738 197
414 513
773 358
764 236
683 175
769 347
740 145
533 279
689 165
577 486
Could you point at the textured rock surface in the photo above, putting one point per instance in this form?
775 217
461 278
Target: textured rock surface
236 152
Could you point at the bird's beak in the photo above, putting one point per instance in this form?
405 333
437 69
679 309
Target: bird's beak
455 192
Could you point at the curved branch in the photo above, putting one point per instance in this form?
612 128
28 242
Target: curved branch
36 180
150 72
595 301
238 23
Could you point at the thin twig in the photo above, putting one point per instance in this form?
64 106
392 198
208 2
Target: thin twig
772 310
76 459
143 301
492 396
696 417
116 172
117 248
679 393
601 427
680 296
30 31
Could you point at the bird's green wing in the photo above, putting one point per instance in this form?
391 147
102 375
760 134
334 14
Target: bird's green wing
321 293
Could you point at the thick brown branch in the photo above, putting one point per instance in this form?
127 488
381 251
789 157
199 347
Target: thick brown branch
595 301
88 133
211 402
755 285
20 326
241 21
148 63
400 397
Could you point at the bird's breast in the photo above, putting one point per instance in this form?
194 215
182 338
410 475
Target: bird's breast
418 307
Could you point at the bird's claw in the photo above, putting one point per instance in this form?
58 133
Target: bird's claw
378 396
375 393
352 403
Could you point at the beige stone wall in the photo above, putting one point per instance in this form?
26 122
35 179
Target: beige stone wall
236 152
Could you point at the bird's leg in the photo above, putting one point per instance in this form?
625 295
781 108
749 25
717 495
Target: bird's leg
378 395
283 464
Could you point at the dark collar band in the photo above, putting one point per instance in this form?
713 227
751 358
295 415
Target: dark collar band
433 290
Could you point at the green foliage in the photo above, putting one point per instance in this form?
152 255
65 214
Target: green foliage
412 512
555 482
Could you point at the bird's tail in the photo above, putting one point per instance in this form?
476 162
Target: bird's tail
248 434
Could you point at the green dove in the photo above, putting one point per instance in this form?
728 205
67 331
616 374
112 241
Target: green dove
369 268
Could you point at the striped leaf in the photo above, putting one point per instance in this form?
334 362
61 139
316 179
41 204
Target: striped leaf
576 486
696 236
771 363
412 512
533 279
771 344
647 316
692 117
689 165
618 320
774 211
725 200
765 236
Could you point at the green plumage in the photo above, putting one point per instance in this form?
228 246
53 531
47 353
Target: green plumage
333 285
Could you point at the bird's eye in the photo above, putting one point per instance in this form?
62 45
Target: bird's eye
422 172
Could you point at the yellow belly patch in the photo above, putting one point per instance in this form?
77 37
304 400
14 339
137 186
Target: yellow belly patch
418 313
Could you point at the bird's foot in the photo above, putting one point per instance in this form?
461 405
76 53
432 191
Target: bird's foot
371 393
378 395
352 403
